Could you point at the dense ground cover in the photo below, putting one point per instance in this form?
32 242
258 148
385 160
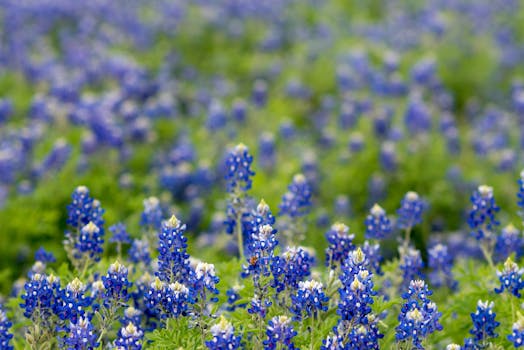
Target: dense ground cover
237 150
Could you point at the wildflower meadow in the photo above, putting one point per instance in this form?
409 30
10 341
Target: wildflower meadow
270 174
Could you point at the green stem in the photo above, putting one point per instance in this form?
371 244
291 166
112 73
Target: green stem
407 238
239 235
487 254
312 331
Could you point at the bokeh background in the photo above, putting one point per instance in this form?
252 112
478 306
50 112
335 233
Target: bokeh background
368 99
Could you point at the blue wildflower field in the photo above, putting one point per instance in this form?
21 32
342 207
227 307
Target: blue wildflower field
270 174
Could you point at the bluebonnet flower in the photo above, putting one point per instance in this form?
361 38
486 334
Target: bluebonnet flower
411 265
259 306
89 243
417 117
266 151
410 211
356 299
238 169
84 209
131 315
38 297
206 280
263 244
173 259
116 284
216 116
72 302
482 216
139 252
340 243
5 336
388 156
418 317
517 333
520 193
120 233
233 296
56 158
296 202
252 221
280 332
239 110
440 263
353 265
168 300
484 325
509 241
44 256
378 225
308 300
259 96
224 337
129 338
291 267
365 336
333 342
152 215
81 336
372 252
510 278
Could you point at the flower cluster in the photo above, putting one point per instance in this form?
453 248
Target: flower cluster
73 302
280 332
481 218
116 284
223 337
418 317
5 336
517 334
440 263
411 265
173 259
238 169
510 278
356 294
293 266
82 335
410 211
168 300
308 300
484 325
509 241
129 337
296 202
206 280
378 225
340 243
84 209
152 214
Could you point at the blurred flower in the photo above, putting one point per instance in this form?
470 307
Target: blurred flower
340 243
296 202
482 216
440 263
378 225
410 211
